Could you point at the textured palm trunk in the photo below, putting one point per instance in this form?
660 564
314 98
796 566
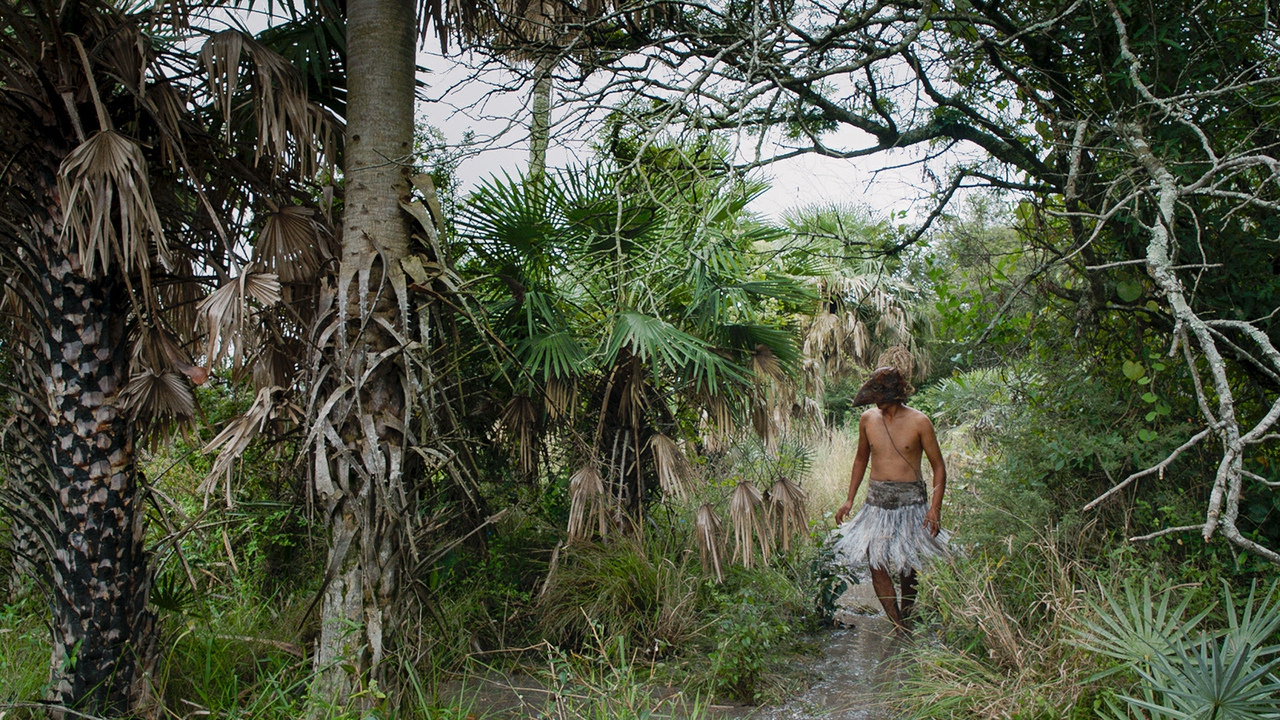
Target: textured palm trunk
102 629
363 580
540 126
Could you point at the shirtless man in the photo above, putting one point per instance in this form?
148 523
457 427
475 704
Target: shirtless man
893 532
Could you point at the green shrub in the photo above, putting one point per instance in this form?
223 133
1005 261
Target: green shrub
747 636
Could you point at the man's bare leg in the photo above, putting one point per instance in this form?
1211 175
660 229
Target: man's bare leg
883 584
908 594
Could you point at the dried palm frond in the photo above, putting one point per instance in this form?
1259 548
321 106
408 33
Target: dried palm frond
279 98
269 404
560 397
155 351
158 400
107 205
746 514
671 464
899 357
586 499
788 503
766 365
518 422
762 421
292 245
707 528
226 310
634 397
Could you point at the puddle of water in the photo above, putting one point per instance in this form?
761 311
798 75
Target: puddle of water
858 665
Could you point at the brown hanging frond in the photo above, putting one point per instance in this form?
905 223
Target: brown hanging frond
586 499
789 505
671 465
284 118
160 400
707 529
766 366
225 311
899 357
108 211
269 404
518 422
746 514
560 397
293 245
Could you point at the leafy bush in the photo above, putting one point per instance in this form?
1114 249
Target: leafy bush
747 636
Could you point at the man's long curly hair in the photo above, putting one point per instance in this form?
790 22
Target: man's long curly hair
886 385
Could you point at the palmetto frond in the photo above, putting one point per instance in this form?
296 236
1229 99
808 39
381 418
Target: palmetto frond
788 505
587 502
750 527
518 421
227 310
269 405
293 245
671 465
653 339
707 536
162 398
109 213
289 127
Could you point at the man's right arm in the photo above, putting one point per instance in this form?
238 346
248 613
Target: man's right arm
859 469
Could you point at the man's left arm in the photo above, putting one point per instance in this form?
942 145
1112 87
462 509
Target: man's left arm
929 441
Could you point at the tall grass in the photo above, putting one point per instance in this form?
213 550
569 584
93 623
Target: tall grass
828 483
1006 650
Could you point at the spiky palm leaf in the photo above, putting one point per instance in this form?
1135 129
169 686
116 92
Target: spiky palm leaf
707 536
671 464
750 526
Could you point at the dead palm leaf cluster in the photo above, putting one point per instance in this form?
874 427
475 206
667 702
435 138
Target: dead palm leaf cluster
751 527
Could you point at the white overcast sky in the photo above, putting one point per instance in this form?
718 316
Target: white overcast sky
458 101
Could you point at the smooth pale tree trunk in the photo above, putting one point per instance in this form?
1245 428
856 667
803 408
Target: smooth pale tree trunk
540 126
363 580
102 630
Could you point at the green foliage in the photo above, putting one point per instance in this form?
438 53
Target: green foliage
748 635
24 652
1227 674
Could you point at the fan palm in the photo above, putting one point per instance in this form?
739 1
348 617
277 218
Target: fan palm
866 308
653 303
138 172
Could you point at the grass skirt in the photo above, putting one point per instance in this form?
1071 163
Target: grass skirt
888 533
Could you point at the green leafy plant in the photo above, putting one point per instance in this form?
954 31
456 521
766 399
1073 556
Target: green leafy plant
746 635
1224 675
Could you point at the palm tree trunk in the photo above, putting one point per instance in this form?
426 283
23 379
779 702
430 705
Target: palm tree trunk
102 628
540 127
362 583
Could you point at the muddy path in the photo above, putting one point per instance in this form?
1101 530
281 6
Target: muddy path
858 666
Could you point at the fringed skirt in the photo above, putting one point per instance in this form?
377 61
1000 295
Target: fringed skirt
888 533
